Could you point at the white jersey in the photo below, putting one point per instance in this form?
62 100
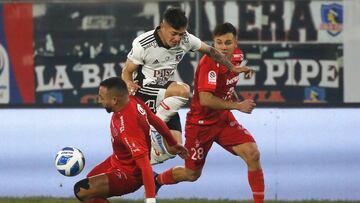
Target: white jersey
157 64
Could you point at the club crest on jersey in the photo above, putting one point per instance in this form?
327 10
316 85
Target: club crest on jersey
332 18
212 77
140 109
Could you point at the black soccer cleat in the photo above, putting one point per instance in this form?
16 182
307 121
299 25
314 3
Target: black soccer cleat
157 185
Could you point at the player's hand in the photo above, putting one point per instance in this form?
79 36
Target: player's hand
133 87
242 68
246 106
179 150
249 72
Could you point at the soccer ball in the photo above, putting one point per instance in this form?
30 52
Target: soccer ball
69 161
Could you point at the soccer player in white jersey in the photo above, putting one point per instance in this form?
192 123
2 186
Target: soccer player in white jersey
150 67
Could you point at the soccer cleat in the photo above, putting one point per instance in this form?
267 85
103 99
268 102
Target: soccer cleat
157 141
154 156
158 153
157 185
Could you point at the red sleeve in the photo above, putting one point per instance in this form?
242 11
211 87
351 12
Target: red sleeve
147 176
158 124
207 75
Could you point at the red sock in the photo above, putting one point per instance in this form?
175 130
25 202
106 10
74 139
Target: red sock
256 181
97 200
166 178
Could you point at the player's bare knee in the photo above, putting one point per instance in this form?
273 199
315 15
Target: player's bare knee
254 155
82 184
180 90
184 91
192 176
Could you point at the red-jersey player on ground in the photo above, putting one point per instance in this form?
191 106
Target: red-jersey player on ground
128 168
210 119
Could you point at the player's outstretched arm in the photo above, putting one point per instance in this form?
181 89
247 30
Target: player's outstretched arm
147 176
127 75
209 100
220 58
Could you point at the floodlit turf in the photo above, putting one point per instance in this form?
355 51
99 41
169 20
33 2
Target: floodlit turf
62 200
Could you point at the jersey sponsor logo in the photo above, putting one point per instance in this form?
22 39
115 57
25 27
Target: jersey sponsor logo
122 125
163 76
332 18
140 109
163 73
212 77
232 80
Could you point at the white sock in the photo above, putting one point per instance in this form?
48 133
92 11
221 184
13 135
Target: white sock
169 107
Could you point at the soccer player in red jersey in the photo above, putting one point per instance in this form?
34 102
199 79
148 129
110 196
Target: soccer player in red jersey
128 168
210 119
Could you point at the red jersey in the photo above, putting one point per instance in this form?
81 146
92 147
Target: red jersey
213 77
130 134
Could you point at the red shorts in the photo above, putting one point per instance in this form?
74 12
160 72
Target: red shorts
199 139
120 182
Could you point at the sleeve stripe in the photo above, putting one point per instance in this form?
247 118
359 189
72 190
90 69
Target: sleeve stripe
147 42
147 37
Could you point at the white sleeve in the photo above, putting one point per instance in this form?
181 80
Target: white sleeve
195 42
136 54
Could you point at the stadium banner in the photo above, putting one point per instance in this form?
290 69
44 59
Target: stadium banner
90 42
16 54
294 74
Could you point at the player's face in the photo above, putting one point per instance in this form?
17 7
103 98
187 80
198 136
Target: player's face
105 99
225 44
170 36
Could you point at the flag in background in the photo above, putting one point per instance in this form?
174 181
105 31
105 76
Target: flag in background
17 83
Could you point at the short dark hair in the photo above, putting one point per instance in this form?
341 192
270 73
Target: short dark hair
175 17
117 84
224 28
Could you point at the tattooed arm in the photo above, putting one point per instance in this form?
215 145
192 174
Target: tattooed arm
220 58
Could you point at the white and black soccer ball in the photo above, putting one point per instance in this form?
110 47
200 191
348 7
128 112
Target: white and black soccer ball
69 161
